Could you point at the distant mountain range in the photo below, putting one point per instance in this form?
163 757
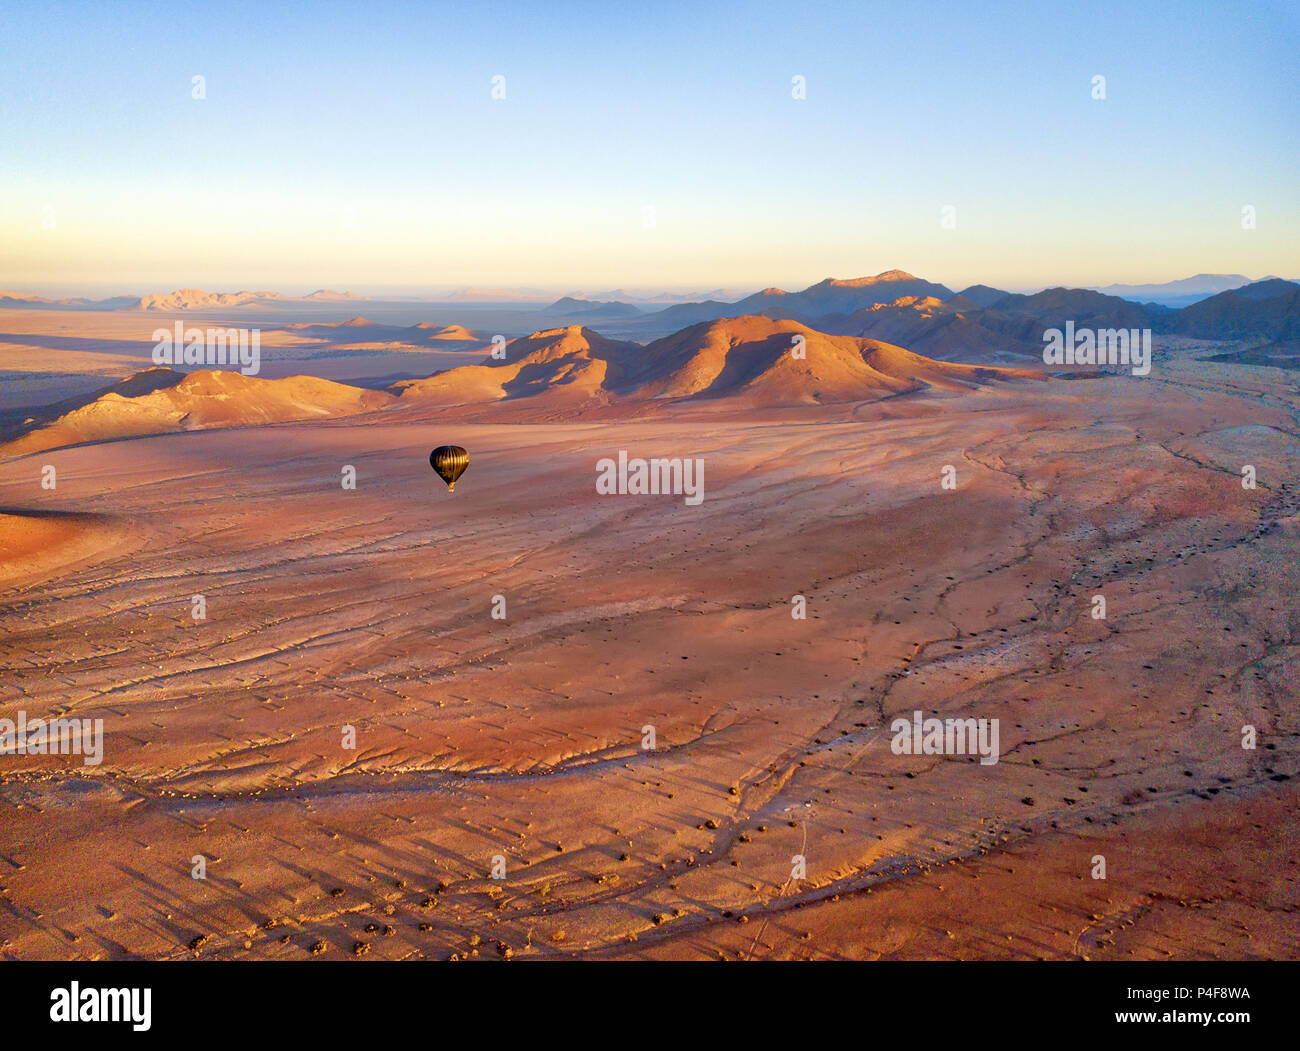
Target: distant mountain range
1266 309
622 295
1183 292
196 299
985 324
825 297
495 295
587 308
1009 326
325 295
979 324
25 301
181 300
184 299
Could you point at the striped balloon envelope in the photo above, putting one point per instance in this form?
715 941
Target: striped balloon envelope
450 462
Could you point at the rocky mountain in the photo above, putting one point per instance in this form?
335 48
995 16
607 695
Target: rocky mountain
826 297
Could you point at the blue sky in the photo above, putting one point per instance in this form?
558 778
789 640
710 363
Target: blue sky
358 146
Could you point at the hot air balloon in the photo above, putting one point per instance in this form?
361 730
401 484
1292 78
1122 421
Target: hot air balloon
450 462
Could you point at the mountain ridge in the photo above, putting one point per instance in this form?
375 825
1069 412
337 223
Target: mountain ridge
748 362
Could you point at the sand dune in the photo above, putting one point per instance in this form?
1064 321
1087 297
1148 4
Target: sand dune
360 330
451 333
561 365
36 543
732 363
24 537
754 359
747 360
159 400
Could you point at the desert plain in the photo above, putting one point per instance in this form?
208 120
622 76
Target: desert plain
649 755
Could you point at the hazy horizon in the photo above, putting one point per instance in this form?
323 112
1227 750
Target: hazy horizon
424 293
